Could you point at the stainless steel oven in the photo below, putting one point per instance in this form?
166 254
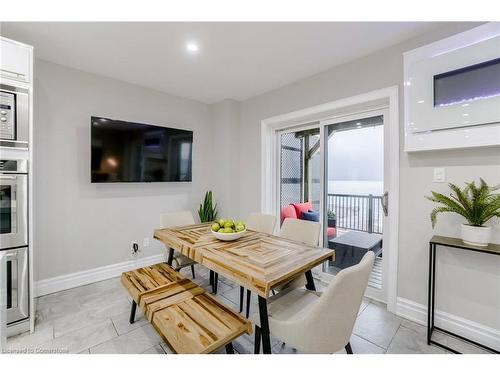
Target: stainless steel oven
17 288
13 203
14 117
14 237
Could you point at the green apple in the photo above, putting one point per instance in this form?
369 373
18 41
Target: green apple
215 227
240 228
229 224
221 230
228 230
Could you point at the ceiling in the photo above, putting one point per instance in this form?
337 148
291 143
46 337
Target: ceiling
234 61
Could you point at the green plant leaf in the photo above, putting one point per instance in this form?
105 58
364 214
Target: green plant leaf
477 204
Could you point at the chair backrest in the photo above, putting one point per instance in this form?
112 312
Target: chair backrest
175 219
261 222
331 319
301 231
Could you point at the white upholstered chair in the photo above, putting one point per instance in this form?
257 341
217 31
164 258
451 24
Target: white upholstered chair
175 219
313 322
261 222
296 230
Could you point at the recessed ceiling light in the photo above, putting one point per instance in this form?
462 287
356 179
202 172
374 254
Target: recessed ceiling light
192 47
358 123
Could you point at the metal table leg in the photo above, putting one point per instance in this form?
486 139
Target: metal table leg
310 281
429 296
264 326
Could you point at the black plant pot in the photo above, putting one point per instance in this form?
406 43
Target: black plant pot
332 223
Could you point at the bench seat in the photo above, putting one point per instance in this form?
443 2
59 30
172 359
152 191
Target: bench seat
189 319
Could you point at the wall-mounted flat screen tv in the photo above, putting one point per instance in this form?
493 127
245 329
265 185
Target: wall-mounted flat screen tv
132 152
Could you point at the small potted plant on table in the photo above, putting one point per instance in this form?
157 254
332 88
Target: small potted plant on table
477 204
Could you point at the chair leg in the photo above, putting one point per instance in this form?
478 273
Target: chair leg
132 312
257 340
242 292
249 294
348 348
215 282
211 280
192 271
229 348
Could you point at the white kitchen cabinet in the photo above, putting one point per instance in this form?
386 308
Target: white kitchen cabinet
15 60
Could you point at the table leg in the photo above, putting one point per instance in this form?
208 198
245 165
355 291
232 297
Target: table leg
433 284
242 291
264 326
170 257
429 295
310 281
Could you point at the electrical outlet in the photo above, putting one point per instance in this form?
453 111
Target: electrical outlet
145 242
134 248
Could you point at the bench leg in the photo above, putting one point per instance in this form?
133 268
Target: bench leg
229 348
132 312
242 292
257 341
211 280
348 348
249 295
192 271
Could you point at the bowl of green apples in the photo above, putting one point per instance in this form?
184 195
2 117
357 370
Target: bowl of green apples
228 230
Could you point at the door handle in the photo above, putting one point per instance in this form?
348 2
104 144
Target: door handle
385 203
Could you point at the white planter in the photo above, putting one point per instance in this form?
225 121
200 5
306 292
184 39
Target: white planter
476 236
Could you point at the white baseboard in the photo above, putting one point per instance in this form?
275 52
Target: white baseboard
73 280
474 331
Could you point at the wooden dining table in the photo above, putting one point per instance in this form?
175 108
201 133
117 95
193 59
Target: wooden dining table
256 261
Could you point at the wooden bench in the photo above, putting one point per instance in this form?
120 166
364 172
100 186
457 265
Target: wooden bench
190 320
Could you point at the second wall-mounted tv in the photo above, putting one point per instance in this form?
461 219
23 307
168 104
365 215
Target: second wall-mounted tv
132 152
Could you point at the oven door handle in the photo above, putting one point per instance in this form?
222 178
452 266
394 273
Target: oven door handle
2 177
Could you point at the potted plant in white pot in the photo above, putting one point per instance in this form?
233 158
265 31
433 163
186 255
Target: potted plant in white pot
477 204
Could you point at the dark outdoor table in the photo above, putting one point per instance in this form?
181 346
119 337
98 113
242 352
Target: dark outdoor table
351 246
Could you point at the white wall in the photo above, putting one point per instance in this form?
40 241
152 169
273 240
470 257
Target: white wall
225 156
468 284
79 225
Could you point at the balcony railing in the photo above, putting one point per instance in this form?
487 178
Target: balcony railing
357 212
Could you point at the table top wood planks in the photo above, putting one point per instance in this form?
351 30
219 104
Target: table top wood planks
256 261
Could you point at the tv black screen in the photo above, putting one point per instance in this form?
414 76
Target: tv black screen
132 152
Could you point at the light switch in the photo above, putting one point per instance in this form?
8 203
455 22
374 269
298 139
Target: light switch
439 175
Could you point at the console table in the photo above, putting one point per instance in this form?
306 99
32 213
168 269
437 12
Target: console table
455 243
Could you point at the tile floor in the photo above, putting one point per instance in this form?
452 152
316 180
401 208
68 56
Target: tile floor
94 319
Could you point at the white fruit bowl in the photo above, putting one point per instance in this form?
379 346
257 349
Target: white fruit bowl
228 236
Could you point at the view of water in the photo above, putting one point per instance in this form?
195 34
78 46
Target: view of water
356 187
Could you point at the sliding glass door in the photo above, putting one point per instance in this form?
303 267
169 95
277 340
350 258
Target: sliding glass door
335 172
354 193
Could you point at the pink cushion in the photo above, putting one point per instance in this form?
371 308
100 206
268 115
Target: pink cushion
330 232
299 207
288 212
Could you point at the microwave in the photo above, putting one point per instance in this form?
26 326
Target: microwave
14 117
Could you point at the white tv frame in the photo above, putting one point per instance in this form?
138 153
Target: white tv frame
442 127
